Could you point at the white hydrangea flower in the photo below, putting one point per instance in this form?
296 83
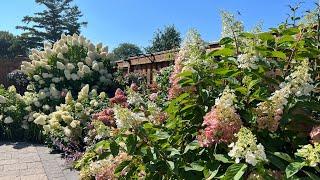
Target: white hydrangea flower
40 120
247 61
67 131
126 118
75 123
3 99
8 120
95 66
246 148
60 65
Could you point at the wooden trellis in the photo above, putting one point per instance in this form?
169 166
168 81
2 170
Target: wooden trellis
149 64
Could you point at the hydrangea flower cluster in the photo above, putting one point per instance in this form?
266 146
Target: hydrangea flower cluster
189 55
106 116
125 118
297 83
104 169
119 98
247 61
246 148
67 64
230 26
315 134
70 118
12 111
310 153
134 98
222 122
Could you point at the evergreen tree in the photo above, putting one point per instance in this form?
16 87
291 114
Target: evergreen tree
58 17
166 39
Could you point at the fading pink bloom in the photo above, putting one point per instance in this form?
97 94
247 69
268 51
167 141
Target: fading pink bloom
119 98
106 116
190 52
107 171
269 121
153 96
315 134
134 87
217 129
222 122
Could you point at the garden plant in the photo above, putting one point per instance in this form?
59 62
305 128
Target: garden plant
249 109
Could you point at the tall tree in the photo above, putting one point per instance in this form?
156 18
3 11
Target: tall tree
58 17
166 39
125 50
10 45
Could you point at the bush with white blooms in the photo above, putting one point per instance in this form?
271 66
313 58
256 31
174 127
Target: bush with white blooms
68 65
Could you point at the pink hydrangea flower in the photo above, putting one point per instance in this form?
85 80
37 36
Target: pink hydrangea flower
217 129
134 87
222 122
119 98
106 116
153 96
315 134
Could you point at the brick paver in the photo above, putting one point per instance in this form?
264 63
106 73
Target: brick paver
24 161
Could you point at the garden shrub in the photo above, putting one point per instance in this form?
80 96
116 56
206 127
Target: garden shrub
12 125
163 83
67 126
68 65
252 113
126 112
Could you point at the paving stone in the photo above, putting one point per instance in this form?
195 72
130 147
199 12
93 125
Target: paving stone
8 161
10 173
34 177
34 171
10 178
23 161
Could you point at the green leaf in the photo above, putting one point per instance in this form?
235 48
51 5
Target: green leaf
291 31
121 166
131 143
278 54
171 165
225 40
242 90
285 39
222 158
283 156
266 36
222 52
196 167
185 73
192 146
210 173
247 35
235 171
114 147
293 168
102 145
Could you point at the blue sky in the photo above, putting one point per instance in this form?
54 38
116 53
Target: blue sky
135 21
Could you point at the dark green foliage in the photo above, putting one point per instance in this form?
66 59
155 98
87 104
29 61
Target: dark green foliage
58 17
125 50
10 45
166 39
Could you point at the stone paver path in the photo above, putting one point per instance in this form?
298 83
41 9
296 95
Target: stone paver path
23 161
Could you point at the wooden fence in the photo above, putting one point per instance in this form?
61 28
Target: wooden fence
7 66
149 64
